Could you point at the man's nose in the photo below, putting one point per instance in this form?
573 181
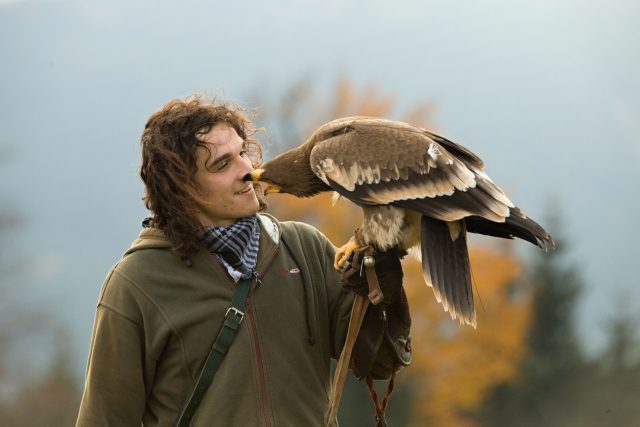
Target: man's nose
246 169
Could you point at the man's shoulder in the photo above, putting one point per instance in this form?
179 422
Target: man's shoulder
150 256
142 271
303 230
302 237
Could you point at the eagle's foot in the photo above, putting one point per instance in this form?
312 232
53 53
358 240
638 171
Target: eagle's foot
344 253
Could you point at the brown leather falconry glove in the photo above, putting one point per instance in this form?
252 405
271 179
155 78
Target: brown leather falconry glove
384 342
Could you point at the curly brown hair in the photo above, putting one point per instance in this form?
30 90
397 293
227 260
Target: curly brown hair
168 169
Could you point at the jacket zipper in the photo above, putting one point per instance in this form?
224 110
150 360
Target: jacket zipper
261 376
264 395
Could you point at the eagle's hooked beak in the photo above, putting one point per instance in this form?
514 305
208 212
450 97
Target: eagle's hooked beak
255 177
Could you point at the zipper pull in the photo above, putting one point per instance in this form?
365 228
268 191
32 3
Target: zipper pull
256 277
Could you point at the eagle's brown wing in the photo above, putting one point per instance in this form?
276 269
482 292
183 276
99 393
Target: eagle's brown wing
378 161
374 161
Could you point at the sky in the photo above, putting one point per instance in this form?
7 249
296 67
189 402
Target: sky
546 92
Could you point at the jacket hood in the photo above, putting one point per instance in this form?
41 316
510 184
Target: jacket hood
154 238
149 238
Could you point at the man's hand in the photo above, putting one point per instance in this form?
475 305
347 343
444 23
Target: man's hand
388 269
384 343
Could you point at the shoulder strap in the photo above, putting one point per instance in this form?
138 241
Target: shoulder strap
232 320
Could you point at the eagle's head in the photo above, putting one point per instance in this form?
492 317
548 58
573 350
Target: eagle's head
289 172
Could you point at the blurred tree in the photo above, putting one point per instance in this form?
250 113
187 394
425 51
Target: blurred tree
553 343
611 397
554 362
13 319
49 401
607 392
9 221
25 400
453 365
623 350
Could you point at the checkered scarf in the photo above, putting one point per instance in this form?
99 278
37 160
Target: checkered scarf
236 246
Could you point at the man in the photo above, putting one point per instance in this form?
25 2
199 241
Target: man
162 305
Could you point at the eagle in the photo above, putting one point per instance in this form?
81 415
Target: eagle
416 189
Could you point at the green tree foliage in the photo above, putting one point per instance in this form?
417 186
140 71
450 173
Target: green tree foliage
357 407
553 351
557 384
553 359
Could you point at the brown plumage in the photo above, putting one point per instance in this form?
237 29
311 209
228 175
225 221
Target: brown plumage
416 189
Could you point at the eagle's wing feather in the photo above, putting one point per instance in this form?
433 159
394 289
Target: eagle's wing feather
458 150
377 161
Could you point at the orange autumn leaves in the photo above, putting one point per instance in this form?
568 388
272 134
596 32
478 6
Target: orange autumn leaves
456 365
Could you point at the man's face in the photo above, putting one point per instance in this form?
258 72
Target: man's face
228 197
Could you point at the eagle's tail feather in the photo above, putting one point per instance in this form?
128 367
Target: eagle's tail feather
517 224
445 267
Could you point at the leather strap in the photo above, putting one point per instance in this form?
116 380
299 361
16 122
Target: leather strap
233 319
381 406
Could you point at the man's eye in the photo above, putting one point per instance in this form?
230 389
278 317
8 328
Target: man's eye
218 166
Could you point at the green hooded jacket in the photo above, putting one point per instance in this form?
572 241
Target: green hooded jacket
157 318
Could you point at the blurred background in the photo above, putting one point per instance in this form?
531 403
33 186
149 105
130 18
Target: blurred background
546 92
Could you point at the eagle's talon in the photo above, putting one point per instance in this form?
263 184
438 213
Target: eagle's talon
344 253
